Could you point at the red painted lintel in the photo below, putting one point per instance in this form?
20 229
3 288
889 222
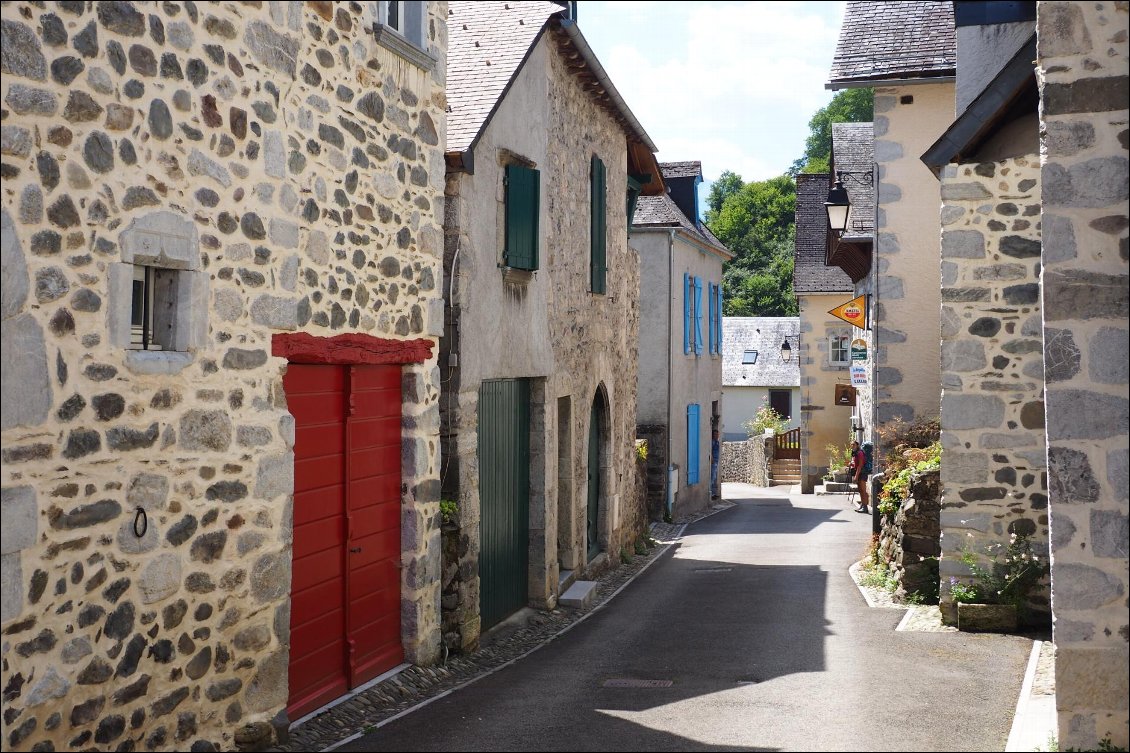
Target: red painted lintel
351 348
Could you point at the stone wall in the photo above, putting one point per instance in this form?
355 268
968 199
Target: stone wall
746 462
993 471
656 437
1082 67
910 539
286 169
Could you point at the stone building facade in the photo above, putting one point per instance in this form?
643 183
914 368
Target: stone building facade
273 174
538 368
994 479
1082 61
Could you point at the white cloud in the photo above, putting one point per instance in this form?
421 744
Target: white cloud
731 84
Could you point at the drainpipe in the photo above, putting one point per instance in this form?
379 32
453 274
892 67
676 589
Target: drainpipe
876 523
670 496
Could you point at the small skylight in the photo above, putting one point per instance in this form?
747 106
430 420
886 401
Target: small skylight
749 357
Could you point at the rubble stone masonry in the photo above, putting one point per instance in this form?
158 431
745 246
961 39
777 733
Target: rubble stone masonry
1082 68
284 172
993 476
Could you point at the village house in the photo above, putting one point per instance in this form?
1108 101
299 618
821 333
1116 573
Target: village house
680 349
222 238
538 360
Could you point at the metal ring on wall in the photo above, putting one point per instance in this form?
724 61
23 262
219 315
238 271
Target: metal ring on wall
140 523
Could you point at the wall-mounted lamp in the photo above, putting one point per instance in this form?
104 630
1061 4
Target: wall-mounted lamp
786 349
838 204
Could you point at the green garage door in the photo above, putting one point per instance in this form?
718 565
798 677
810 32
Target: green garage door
504 493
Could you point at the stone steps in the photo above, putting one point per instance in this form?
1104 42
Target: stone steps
579 595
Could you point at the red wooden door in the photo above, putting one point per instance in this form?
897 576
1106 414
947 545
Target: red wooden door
345 582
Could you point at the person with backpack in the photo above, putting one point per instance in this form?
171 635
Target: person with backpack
860 470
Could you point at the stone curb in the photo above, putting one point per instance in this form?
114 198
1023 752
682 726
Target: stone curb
416 687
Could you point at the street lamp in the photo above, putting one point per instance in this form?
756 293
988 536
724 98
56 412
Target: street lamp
786 349
838 204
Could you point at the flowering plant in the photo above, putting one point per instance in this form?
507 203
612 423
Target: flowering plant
765 419
1007 582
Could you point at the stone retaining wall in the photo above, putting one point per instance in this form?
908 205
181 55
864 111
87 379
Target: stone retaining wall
746 462
910 539
286 171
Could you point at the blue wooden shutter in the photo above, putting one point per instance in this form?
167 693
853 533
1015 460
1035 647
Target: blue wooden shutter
718 308
523 207
698 316
687 298
598 226
692 444
710 317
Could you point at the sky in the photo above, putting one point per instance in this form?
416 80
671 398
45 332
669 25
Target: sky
732 84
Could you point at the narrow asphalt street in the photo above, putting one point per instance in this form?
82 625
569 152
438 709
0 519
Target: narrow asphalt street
767 644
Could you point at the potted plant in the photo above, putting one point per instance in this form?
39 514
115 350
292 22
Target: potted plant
992 603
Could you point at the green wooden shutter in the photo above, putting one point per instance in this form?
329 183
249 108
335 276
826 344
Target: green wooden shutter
598 226
523 207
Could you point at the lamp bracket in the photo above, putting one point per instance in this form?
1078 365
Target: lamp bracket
862 178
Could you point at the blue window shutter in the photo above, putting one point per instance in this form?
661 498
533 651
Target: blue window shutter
710 317
692 444
718 309
686 313
698 316
523 207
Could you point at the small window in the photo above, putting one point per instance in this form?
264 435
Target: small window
839 352
402 27
598 226
781 401
153 308
749 358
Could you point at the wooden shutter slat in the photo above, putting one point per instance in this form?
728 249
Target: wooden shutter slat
698 316
598 226
687 298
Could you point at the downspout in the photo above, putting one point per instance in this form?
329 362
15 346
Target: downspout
876 521
670 502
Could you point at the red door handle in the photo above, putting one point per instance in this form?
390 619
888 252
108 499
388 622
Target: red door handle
355 550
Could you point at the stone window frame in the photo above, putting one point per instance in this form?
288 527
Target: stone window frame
406 37
168 243
832 349
511 275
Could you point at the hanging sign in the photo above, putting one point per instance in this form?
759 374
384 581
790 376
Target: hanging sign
858 349
859 375
845 394
853 312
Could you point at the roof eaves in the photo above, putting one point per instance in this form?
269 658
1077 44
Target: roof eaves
983 113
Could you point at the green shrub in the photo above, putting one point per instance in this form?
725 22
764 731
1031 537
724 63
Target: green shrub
448 510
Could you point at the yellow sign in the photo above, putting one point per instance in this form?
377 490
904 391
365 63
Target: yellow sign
853 312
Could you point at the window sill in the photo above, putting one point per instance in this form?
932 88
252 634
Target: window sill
517 276
391 40
157 361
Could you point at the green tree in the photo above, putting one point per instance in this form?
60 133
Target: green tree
728 183
848 106
754 219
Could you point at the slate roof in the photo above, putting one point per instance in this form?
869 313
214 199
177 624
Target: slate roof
487 42
853 150
810 273
894 40
662 211
765 335
681 169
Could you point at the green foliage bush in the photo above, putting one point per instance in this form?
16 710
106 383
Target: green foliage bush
766 418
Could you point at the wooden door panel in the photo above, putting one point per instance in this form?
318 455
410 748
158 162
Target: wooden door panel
312 473
375 490
373 461
375 519
377 432
319 503
325 535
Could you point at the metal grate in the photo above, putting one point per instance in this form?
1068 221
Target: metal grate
623 682
713 569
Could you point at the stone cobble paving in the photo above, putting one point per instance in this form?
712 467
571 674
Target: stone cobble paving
379 703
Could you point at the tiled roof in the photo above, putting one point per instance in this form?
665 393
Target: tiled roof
853 150
810 273
765 335
894 40
681 169
487 41
661 211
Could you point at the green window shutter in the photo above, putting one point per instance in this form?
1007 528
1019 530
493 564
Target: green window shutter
523 206
598 226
